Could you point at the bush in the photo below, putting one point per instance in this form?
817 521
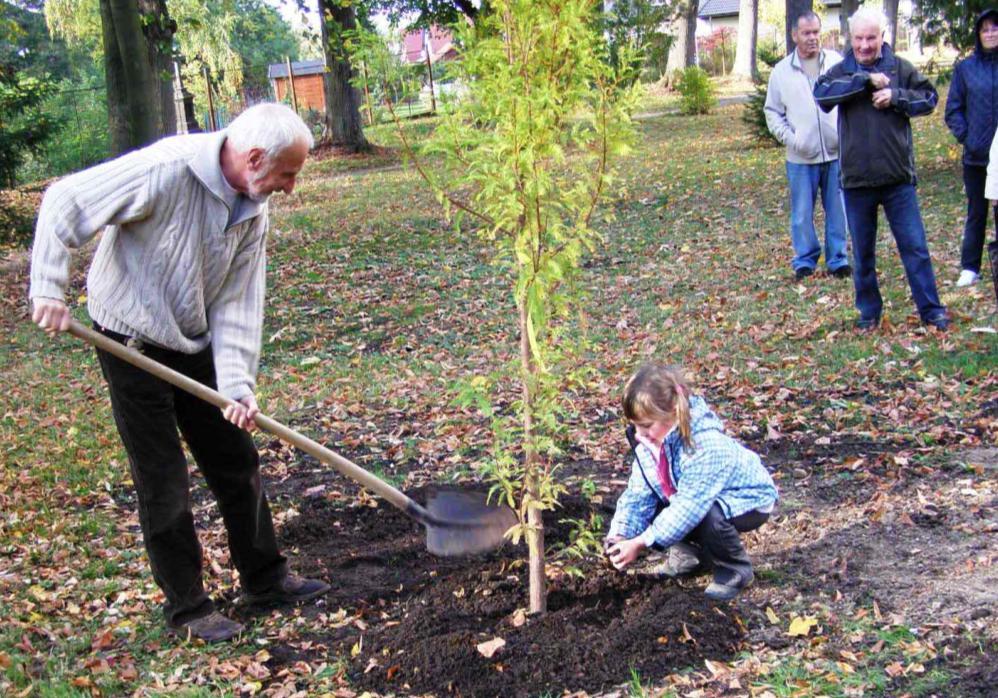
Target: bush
754 114
770 53
696 91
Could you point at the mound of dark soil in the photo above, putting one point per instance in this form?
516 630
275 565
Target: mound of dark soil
423 617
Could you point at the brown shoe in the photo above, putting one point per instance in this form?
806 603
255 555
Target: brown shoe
213 627
291 590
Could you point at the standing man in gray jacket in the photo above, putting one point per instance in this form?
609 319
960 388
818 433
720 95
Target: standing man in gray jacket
179 274
812 143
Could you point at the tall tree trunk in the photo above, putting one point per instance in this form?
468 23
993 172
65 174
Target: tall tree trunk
132 94
343 124
891 10
845 12
535 522
683 51
159 29
748 37
795 8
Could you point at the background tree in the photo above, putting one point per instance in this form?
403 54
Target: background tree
639 23
260 37
132 94
795 8
748 33
846 10
949 21
529 150
23 126
343 124
683 51
443 13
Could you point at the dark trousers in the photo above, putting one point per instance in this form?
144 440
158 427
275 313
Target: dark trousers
900 204
149 413
974 230
719 545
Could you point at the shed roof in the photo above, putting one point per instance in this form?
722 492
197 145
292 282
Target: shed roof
313 66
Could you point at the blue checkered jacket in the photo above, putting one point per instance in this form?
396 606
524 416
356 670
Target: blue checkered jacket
718 469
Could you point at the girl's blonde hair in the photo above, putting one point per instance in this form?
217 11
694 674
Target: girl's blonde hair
656 392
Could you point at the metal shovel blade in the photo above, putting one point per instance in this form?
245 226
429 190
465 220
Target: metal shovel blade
463 523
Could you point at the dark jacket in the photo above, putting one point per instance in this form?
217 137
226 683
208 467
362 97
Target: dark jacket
875 145
972 105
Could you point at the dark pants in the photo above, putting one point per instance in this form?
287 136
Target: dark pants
900 204
149 412
974 230
719 546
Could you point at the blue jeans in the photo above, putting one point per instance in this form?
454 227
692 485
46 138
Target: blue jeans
900 204
805 180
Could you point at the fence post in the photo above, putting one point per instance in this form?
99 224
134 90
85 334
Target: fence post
429 69
367 94
212 121
291 83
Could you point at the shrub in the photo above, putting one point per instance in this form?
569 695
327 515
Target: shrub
696 91
754 114
770 53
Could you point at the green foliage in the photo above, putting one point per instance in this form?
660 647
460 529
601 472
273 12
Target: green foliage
24 128
529 147
754 114
770 53
261 36
79 107
637 23
948 21
380 70
696 91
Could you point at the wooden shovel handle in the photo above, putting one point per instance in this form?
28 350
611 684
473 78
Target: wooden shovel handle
343 465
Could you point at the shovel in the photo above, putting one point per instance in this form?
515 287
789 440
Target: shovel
457 523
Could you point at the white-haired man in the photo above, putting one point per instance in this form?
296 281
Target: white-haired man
179 274
812 142
877 93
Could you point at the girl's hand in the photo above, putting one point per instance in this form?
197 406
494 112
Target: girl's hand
625 552
609 542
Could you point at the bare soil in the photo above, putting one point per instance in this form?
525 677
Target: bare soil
917 541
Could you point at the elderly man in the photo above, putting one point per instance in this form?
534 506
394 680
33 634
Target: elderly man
179 273
812 149
877 93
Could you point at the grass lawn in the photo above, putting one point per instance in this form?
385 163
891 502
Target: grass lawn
379 313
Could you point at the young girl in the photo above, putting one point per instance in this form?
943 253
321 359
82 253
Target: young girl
693 488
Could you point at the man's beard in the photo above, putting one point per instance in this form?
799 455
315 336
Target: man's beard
252 192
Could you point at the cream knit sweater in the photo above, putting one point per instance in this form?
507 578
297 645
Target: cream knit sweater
166 269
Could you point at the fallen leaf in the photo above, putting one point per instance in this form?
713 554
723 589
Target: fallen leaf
801 627
487 649
519 617
771 614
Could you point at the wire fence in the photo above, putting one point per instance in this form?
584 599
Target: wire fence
204 104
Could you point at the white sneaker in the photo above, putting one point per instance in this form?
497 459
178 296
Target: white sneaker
967 278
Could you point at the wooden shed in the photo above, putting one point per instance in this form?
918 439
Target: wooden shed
308 83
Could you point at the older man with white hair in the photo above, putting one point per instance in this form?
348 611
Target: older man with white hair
877 93
179 274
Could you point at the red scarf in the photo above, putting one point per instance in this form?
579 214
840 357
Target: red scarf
665 472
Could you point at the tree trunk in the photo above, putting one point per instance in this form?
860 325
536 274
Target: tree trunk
343 124
683 51
159 30
845 12
745 49
891 10
132 94
795 8
535 522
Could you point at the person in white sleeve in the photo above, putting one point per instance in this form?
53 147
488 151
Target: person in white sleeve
179 274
